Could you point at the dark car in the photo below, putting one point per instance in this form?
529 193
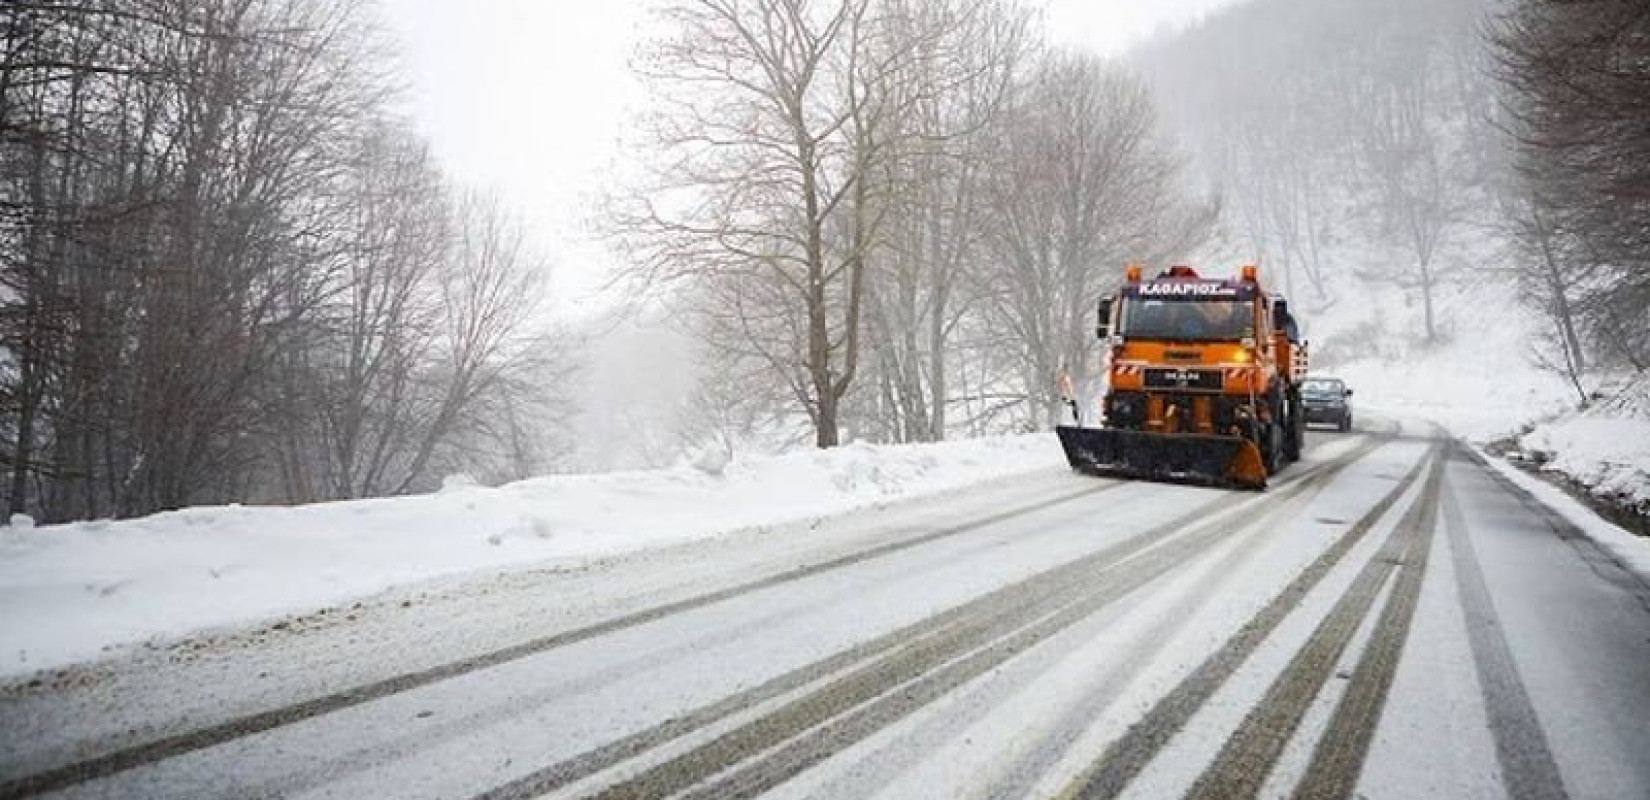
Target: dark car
1327 400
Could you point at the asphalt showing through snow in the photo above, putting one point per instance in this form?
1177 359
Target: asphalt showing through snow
1063 637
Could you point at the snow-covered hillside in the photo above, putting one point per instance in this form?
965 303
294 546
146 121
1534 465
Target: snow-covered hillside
1478 392
68 590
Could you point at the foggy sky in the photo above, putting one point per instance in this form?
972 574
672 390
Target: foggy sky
529 98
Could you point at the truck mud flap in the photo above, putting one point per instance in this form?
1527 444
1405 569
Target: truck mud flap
1202 459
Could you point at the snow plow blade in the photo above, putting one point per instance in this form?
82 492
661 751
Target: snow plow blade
1202 459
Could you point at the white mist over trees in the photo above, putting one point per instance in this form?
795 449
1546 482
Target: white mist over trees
1348 139
892 219
1435 147
231 272
1089 188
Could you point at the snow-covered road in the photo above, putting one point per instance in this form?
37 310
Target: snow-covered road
1390 620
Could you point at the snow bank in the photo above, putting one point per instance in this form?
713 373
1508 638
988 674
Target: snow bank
1605 448
68 592
1608 455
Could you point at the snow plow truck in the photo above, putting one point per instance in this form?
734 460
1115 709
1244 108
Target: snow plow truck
1202 384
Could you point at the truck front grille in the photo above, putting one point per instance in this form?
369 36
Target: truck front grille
1173 378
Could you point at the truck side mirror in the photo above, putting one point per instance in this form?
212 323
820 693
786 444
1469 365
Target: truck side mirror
1348 393
1280 314
1102 327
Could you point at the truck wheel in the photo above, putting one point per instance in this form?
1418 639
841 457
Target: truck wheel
1275 460
1272 447
1294 434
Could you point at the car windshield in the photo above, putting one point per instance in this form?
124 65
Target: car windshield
1321 387
1188 320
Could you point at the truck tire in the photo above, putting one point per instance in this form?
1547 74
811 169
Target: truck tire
1294 435
1273 444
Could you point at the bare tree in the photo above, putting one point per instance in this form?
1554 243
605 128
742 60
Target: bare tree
775 177
1420 204
895 192
179 138
1089 188
489 295
962 85
354 375
223 260
1343 135
1575 95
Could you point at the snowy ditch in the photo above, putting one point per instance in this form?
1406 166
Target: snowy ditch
74 592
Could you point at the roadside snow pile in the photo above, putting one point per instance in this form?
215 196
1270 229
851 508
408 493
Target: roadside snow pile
1610 456
1605 448
69 591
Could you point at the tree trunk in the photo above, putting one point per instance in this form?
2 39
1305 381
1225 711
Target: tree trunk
936 360
1560 300
28 403
1426 302
28 393
825 429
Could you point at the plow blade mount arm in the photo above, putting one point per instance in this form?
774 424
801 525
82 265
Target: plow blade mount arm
1229 461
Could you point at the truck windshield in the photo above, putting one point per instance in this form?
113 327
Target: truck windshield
1188 320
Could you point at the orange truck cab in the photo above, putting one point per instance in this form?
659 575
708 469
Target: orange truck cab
1203 381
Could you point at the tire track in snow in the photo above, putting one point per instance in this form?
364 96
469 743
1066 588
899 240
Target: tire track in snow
1036 759
904 654
1046 584
1126 757
348 761
1249 755
893 706
134 756
1528 769
894 759
853 707
897 703
1338 758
